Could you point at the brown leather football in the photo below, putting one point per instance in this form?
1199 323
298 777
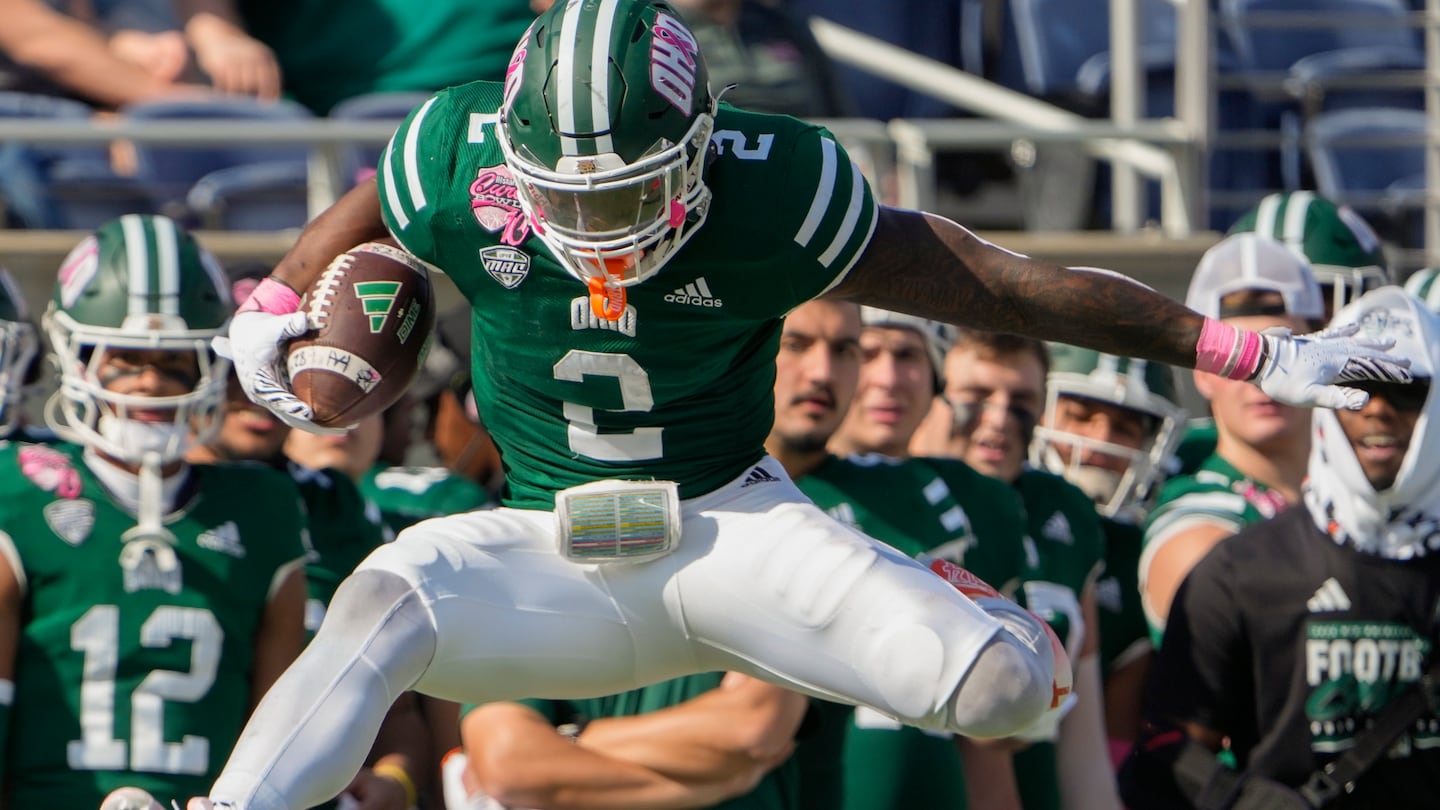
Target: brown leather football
371 313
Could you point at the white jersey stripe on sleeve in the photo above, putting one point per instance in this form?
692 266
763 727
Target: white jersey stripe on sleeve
823 191
852 215
857 253
392 194
412 157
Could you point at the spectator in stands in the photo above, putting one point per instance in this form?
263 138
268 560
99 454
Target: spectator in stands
1294 639
1260 456
1109 426
46 51
329 50
994 395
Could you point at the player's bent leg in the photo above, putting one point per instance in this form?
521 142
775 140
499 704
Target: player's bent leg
790 594
314 728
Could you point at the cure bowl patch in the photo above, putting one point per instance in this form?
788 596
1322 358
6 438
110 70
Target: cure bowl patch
334 361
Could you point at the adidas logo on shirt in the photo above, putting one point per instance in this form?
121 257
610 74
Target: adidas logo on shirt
1057 528
696 293
1328 598
759 475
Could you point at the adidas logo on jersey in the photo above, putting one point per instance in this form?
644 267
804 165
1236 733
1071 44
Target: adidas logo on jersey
224 538
696 293
1057 528
759 475
1328 598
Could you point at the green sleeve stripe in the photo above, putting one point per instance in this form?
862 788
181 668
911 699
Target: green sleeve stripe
12 556
823 191
1224 504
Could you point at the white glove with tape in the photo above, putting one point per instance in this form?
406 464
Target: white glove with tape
1307 370
1313 369
258 331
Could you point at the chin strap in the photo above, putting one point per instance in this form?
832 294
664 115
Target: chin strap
150 513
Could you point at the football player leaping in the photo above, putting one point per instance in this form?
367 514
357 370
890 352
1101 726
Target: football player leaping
147 604
584 207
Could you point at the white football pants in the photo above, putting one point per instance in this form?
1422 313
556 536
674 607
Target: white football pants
481 607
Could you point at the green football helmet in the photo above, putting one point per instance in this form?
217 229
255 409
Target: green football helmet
1342 248
1137 385
19 343
139 282
606 126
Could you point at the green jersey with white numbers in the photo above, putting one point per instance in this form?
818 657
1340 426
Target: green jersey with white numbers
408 495
943 508
134 657
1069 553
679 387
1215 494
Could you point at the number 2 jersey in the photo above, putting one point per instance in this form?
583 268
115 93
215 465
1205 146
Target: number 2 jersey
678 388
133 661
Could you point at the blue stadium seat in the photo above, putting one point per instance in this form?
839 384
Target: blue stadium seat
1060 49
1373 160
1264 43
172 171
251 197
62 186
358 162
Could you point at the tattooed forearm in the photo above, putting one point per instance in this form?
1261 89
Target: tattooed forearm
928 266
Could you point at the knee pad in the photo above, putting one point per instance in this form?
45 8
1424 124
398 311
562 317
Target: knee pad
1013 682
382 616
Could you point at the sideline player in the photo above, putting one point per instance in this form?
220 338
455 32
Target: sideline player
145 604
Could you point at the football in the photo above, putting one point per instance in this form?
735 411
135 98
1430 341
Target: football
371 316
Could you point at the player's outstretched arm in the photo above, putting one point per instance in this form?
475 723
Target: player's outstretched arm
353 219
926 265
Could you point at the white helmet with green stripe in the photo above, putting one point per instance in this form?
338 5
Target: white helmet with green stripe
137 283
1342 248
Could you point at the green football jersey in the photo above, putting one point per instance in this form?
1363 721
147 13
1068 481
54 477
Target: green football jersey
1216 493
1069 552
679 387
944 508
1124 634
777 790
134 658
408 495
343 528
1196 445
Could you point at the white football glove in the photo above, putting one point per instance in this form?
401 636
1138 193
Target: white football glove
1311 370
253 346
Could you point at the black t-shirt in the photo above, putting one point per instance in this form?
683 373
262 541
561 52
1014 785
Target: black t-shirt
1289 644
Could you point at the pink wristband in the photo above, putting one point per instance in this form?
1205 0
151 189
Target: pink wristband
1227 351
273 297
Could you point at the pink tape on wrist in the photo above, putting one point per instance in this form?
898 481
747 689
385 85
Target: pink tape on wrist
1227 351
273 297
